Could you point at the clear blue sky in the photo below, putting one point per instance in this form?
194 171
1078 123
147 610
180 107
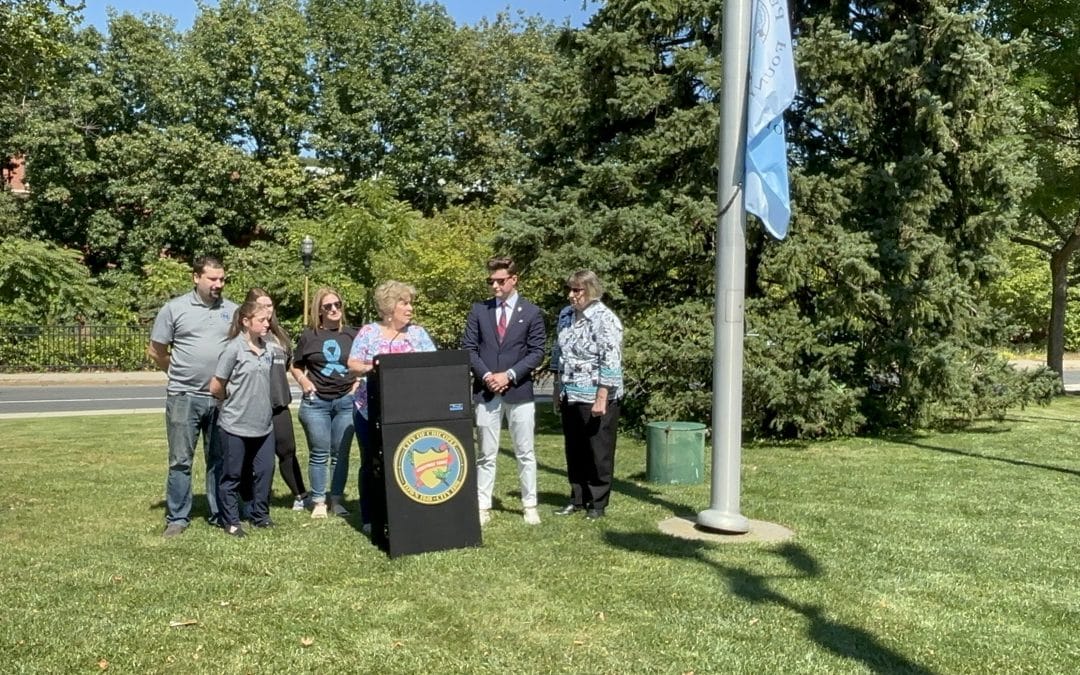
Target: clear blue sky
463 11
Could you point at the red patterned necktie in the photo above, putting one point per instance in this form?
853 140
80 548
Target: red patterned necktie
501 329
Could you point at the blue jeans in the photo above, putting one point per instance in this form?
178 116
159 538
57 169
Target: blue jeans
186 417
328 426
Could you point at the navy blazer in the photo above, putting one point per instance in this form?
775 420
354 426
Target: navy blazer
522 348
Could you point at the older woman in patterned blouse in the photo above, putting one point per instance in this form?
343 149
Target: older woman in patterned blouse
393 333
587 360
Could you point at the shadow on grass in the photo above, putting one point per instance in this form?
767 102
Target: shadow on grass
619 487
839 638
1028 417
547 422
976 455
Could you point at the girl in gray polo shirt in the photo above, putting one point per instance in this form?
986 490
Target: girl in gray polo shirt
242 382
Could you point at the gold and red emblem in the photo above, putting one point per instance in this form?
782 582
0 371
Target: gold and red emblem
430 465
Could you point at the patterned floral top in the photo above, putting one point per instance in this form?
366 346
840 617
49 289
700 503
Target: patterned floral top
588 353
369 343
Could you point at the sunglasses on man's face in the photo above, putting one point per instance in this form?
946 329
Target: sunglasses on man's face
327 306
497 280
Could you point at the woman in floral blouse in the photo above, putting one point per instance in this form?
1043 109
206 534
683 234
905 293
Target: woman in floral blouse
394 333
587 360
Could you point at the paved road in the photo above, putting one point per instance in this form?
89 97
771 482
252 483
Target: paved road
68 399
102 394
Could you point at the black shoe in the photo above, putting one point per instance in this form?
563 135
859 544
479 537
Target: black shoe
262 523
568 510
235 531
593 514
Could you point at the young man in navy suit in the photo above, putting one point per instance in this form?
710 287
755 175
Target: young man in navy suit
505 338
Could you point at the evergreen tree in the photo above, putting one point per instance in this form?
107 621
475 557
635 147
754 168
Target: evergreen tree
906 170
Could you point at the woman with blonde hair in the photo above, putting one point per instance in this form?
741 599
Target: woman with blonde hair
393 333
326 409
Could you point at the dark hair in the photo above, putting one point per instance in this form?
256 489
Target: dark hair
200 264
253 295
502 262
244 311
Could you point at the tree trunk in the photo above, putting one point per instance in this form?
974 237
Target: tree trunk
1059 279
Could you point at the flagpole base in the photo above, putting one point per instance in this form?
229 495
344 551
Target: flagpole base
723 521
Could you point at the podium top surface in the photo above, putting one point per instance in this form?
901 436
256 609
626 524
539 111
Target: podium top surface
452 357
420 387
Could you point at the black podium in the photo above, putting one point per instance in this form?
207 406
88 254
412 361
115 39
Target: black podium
424 464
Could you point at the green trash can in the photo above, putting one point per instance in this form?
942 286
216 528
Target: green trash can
675 452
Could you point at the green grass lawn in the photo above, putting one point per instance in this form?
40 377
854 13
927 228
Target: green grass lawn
926 553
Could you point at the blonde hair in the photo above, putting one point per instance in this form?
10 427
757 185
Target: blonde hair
315 312
388 293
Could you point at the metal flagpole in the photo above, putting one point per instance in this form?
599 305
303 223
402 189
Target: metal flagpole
723 513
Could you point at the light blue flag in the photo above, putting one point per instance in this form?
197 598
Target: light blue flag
771 90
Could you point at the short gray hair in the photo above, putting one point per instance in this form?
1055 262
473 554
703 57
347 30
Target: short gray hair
588 280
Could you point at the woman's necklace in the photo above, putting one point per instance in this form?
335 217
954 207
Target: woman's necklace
390 333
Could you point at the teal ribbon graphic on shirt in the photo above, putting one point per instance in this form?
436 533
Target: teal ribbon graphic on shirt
331 351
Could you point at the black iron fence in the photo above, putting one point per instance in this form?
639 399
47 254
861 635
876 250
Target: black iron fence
73 347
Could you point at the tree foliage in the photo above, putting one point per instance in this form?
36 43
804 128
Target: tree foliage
444 258
36 35
1050 29
41 283
907 171
248 68
394 138
383 111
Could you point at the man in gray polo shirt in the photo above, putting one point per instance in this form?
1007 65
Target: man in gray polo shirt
188 336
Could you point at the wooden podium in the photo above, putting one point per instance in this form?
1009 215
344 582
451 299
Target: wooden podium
424 463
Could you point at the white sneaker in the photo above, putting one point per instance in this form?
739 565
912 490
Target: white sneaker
485 516
299 504
532 516
319 510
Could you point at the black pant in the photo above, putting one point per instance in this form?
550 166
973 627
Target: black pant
239 452
590 452
362 427
285 448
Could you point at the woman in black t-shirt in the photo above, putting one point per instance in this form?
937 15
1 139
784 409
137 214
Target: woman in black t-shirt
319 366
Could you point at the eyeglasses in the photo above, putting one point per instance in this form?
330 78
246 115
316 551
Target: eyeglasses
574 289
496 280
328 306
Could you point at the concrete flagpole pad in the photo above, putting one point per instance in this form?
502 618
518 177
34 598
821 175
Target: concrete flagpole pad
760 531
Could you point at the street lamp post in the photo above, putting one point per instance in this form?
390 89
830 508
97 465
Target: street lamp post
307 248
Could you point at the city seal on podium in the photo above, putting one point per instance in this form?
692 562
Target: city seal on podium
430 465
